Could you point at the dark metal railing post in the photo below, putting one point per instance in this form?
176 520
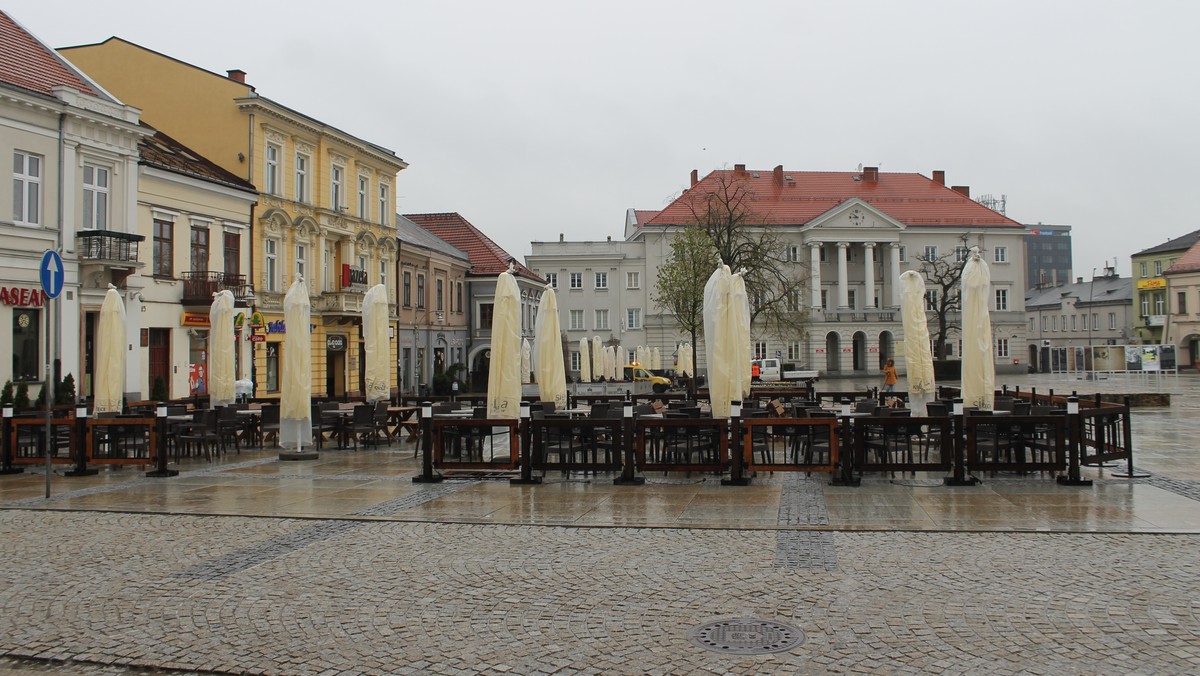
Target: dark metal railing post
1127 440
845 474
160 431
627 424
525 426
427 476
736 477
79 448
960 478
7 467
1074 445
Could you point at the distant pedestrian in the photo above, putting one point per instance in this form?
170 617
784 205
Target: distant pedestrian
889 376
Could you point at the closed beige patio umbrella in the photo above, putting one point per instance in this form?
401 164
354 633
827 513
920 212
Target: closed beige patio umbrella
295 401
548 348
504 369
377 344
109 386
656 359
978 364
221 343
526 360
720 342
597 359
918 359
585 361
739 310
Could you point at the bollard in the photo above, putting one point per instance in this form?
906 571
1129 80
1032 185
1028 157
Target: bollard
960 477
160 431
6 466
736 478
427 476
627 478
1074 443
80 445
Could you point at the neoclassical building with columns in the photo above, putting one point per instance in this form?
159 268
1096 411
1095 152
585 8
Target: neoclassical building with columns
848 237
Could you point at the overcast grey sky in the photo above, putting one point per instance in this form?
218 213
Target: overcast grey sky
538 118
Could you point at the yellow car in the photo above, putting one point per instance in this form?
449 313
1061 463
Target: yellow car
636 373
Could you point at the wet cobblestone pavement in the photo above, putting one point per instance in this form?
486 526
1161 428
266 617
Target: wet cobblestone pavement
343 566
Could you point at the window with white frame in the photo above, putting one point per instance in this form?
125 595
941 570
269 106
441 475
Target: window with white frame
1074 322
793 254
821 253
903 254
271 169
576 280
824 299
760 350
1054 323
931 300
95 197
301 261
27 188
1143 269
1001 254
271 251
1085 323
601 280
301 177
576 361
364 206
793 301
633 318
1112 321
420 291
852 299
438 303
633 280
1001 300
385 206
793 351
336 178
383 276
552 279
576 323
1001 347
961 253
1157 269
1160 303
601 320
1033 324
930 252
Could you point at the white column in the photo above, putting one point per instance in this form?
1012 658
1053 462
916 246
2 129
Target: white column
843 282
814 250
869 269
894 270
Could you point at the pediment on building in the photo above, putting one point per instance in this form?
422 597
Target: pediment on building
853 220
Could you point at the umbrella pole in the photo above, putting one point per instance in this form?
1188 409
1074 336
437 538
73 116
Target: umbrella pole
736 477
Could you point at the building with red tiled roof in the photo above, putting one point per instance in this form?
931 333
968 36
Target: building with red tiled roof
488 260
97 145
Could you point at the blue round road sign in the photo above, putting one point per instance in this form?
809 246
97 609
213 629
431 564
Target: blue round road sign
51 273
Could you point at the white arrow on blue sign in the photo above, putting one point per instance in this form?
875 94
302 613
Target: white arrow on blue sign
51 272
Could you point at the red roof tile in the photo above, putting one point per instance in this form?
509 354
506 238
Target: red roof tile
909 198
164 152
1188 262
28 63
644 216
487 258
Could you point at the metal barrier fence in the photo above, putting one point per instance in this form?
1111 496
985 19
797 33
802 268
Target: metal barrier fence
682 445
898 444
1016 443
791 444
584 444
475 444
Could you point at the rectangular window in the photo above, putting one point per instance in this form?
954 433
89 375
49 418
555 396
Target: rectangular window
793 254
1112 321
576 361
1143 269
961 253
793 301
821 255
1181 302
633 280
335 187
384 204
931 300
1054 323
852 299
407 289
458 292
420 291
486 310
27 363
601 320
437 291
576 280
824 299
383 277
271 251
95 197
301 178
1145 304
27 188
1157 268
1033 324
364 185
273 350
301 261
272 169
601 280
552 279
1001 347
163 248
760 350
793 352
903 254
931 253
233 253
576 320
1085 323
1001 254
1160 303
1074 322
633 318
199 249
1001 300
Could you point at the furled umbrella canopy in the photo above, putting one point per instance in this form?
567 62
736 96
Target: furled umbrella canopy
295 401
504 370
689 364
585 361
656 359
978 364
377 344
918 359
221 343
551 373
610 363
526 360
109 386
721 351
740 316
597 358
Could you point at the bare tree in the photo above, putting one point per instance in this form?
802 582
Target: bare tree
944 300
680 283
744 240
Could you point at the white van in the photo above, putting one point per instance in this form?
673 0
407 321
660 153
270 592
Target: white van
769 370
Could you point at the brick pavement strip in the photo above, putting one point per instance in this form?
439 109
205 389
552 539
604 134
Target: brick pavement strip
384 597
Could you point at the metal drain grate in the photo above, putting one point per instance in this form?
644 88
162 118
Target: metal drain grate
746 636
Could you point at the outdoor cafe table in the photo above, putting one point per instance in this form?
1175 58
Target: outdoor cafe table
405 418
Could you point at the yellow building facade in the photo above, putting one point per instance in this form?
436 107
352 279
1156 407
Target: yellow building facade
326 210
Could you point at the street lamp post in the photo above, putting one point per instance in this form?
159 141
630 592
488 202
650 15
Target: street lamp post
1090 358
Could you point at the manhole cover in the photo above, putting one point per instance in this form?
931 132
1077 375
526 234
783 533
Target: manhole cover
746 636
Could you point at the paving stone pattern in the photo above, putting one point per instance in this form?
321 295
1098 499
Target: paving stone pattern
802 503
393 597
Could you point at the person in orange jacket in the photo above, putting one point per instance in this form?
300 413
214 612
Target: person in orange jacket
755 371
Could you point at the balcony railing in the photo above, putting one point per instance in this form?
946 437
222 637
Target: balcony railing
108 247
857 315
199 287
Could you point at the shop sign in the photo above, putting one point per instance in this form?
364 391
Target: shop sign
335 343
257 338
1154 283
278 326
194 319
18 297
257 321
239 320
353 278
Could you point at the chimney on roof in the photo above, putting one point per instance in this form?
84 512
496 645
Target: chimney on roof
964 190
561 238
871 174
237 75
695 176
778 174
939 176
739 168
